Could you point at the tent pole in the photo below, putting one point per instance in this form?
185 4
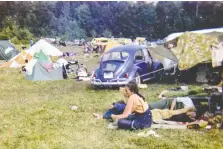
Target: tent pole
222 98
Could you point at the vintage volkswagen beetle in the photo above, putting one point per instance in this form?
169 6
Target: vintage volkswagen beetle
123 64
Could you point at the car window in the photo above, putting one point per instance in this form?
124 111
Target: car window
125 55
115 56
139 55
110 67
147 56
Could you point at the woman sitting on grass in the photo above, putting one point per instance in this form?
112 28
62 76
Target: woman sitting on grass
136 114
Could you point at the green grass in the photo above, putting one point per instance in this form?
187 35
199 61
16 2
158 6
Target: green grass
38 115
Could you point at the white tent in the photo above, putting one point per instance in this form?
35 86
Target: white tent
204 31
47 48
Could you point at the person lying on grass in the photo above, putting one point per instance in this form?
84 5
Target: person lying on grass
172 103
136 114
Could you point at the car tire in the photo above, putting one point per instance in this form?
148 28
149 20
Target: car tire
159 74
138 78
94 87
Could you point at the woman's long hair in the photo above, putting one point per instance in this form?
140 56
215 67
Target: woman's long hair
134 88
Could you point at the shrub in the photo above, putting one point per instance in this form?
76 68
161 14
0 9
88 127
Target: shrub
24 34
15 40
24 41
3 37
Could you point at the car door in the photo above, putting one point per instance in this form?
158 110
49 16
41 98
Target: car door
148 61
139 60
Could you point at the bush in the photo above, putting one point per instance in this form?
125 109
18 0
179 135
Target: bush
24 34
25 41
15 40
35 39
3 37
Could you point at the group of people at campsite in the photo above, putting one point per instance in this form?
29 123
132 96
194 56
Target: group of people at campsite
134 112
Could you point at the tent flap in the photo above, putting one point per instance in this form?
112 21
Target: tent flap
40 73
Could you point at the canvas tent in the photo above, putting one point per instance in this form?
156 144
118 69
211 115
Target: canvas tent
99 41
41 68
125 41
110 44
7 50
47 48
192 49
141 40
168 59
20 58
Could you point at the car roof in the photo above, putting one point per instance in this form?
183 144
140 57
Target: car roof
125 48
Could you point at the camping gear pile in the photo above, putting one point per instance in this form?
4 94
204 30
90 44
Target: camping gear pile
74 68
206 117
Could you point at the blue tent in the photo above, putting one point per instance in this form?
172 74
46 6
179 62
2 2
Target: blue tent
7 50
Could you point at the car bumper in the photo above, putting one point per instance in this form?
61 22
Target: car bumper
112 83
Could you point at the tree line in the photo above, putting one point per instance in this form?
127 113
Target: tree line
20 21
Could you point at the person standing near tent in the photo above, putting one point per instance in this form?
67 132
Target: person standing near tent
31 42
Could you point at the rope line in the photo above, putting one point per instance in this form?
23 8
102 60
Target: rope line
154 71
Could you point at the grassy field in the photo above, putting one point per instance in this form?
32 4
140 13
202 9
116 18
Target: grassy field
38 115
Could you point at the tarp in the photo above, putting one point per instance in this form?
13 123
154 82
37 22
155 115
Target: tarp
7 50
217 55
192 49
212 32
162 51
168 59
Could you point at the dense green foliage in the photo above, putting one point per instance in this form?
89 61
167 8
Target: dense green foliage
72 20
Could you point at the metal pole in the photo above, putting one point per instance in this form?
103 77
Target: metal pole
222 109
222 97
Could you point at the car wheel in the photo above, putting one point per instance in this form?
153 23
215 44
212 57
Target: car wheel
94 87
159 74
137 78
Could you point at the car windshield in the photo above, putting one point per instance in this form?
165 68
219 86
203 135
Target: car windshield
115 56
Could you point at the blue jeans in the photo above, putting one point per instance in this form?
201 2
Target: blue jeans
118 109
138 121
